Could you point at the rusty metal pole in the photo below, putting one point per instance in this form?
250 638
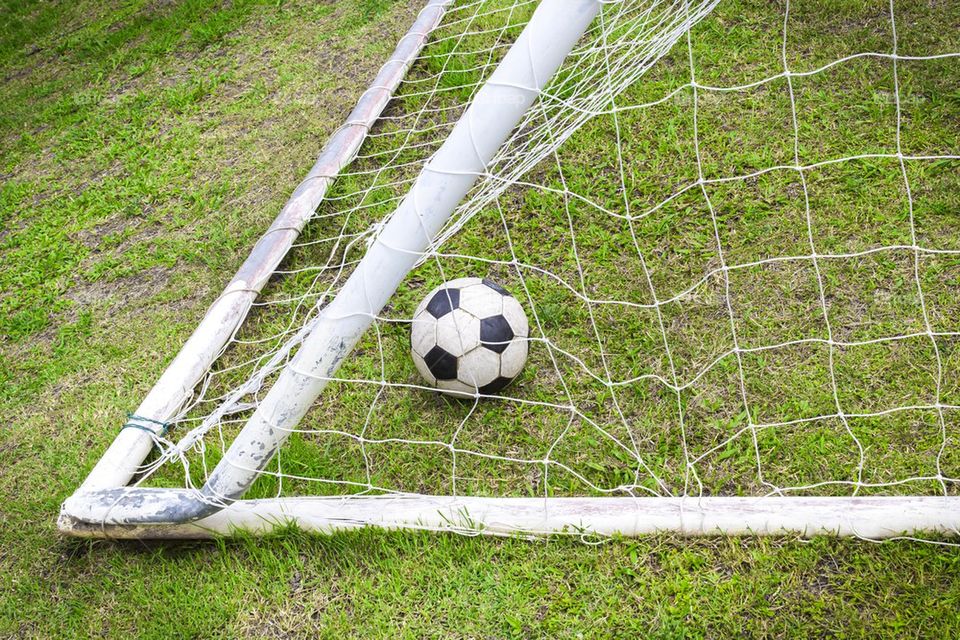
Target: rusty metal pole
175 387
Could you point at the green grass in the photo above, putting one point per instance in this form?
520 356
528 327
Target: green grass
145 146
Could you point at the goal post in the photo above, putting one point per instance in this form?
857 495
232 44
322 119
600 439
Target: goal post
480 126
506 96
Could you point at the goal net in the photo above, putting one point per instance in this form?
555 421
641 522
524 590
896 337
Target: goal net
734 228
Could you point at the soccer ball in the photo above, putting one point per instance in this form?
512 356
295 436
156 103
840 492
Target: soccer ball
469 336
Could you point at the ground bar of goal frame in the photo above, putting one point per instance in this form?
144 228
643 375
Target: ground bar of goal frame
875 517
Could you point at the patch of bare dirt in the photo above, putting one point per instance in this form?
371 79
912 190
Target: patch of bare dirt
95 237
121 291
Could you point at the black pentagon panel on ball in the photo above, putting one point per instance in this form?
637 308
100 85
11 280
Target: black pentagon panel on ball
493 285
442 365
443 302
495 333
495 386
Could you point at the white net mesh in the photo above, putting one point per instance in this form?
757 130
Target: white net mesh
736 238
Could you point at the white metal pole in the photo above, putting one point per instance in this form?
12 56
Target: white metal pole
874 517
498 106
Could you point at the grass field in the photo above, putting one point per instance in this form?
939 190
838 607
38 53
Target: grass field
145 146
